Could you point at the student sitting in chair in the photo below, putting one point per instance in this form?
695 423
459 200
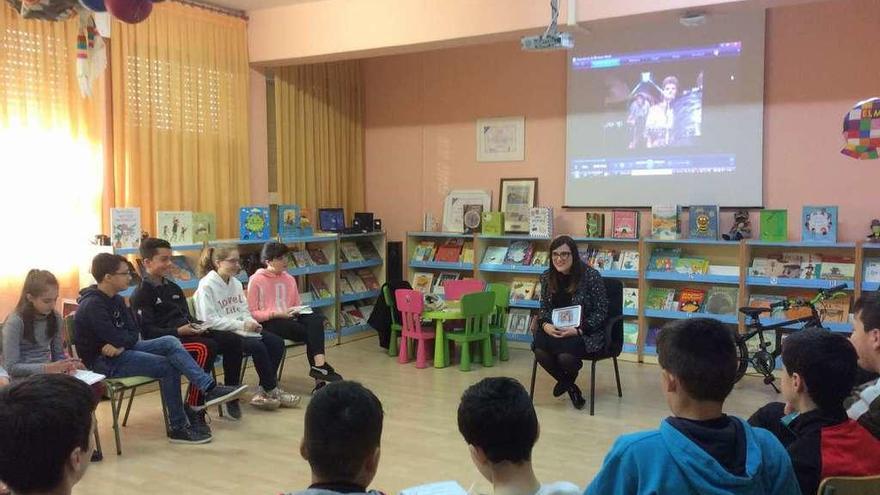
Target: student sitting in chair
46 434
699 450
343 432
499 424
864 403
107 339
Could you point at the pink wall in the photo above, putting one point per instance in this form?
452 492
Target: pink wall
421 109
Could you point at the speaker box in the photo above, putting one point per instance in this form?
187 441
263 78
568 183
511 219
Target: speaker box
377 225
363 221
394 262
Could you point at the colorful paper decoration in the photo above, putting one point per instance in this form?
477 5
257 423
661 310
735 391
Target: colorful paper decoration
861 130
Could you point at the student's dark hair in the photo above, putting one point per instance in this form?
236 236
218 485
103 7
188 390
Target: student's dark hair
343 428
43 418
211 255
577 266
826 361
106 264
273 250
867 309
496 415
36 283
150 247
701 353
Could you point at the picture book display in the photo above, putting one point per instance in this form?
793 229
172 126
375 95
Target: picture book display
357 285
630 298
472 218
450 250
518 321
872 270
424 251
319 288
595 225
703 222
569 316
721 301
467 252
318 256
289 221
495 255
176 227
691 266
629 260
819 224
625 224
442 278
691 300
204 226
125 230
351 252
774 225
519 253
541 258
369 279
836 309
522 289
660 298
630 335
493 223
664 259
666 222
422 281
368 250
253 223
541 221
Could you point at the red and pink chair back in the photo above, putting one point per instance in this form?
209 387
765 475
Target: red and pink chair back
453 290
411 306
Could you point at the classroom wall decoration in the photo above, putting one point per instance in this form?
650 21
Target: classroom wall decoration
861 130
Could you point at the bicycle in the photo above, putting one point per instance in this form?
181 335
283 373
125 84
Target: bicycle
764 361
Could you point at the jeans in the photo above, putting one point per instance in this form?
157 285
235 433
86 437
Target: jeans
306 328
164 359
267 350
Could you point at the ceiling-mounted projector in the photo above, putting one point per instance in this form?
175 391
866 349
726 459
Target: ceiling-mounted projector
551 39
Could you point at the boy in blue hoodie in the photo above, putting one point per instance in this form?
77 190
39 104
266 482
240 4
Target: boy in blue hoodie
699 450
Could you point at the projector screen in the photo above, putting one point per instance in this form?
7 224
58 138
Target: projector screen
663 114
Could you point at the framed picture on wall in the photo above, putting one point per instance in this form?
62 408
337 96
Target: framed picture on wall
501 139
517 197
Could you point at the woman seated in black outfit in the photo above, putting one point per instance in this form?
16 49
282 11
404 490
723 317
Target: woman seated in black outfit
569 282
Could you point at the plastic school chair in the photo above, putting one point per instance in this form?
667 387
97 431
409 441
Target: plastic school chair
476 309
411 305
497 326
453 290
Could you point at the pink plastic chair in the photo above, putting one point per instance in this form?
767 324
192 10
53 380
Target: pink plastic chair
454 289
410 304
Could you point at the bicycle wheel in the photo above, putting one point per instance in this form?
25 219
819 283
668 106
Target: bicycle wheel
764 363
742 359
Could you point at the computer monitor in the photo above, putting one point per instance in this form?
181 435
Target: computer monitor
331 219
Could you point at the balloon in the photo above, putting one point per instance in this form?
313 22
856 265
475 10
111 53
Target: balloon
130 11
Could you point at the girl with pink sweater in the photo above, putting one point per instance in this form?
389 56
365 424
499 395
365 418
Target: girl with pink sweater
274 301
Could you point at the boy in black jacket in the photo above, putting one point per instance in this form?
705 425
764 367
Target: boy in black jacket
161 308
107 340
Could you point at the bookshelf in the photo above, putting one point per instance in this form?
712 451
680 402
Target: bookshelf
413 265
326 273
362 301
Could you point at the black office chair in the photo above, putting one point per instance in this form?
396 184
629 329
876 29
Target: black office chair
613 326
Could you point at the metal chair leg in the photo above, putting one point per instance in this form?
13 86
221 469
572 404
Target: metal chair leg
115 405
281 366
592 387
617 377
244 361
99 454
128 409
534 373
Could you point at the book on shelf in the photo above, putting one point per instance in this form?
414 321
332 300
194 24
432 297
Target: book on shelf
356 283
800 257
872 270
522 289
690 300
810 270
125 227
424 251
660 298
319 288
345 287
289 217
629 261
835 309
367 310
721 301
692 266
369 279
450 250
774 225
181 272
472 219
663 259
724 270
703 222
537 295
766 267
630 333
495 255
493 223
795 312
352 315
837 271
601 259
541 258
302 258
519 253
467 252
651 337
625 224
819 224
764 301
630 298
595 224
351 252
422 281
442 278
318 255
253 223
204 226
666 222
541 221
368 250
518 321
429 223
306 297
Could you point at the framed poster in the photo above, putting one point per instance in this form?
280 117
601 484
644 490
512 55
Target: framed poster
453 207
501 139
517 197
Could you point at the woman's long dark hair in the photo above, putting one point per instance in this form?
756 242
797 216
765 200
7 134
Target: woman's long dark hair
577 266
36 283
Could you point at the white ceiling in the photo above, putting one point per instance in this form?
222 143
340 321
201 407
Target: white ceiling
247 5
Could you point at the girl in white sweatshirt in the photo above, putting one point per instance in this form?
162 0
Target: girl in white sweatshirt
222 305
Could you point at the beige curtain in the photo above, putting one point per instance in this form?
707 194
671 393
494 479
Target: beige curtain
180 119
319 114
52 157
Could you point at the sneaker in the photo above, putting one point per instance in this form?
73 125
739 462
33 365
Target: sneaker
232 410
286 400
188 435
319 384
262 400
220 394
197 420
325 373
561 388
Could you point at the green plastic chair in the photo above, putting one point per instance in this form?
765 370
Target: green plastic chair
497 325
477 308
116 389
395 325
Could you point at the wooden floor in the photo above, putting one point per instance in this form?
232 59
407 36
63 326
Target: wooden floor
421 443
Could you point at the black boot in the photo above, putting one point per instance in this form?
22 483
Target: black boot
560 388
577 398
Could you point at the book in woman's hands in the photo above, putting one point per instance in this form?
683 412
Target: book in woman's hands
569 316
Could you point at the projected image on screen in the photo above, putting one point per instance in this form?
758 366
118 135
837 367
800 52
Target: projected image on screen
673 122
